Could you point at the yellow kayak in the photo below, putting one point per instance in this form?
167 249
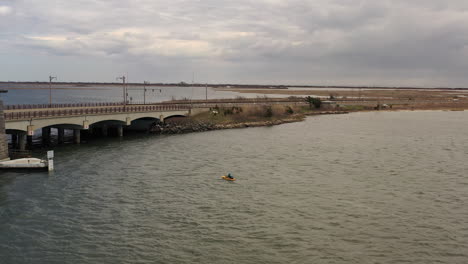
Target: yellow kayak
227 178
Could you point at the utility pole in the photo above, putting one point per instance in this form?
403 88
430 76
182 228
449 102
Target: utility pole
191 97
206 92
123 88
51 78
144 91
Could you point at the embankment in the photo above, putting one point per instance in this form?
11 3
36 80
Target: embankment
236 117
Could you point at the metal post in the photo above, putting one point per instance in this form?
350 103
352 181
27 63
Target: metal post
206 92
124 89
50 160
144 91
51 78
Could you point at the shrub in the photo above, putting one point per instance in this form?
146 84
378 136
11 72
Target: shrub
316 102
227 111
268 111
289 110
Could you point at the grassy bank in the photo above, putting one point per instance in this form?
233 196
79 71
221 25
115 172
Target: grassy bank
248 114
239 117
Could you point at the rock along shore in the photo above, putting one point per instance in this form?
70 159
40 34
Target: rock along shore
189 125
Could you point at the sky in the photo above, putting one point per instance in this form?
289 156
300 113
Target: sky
310 42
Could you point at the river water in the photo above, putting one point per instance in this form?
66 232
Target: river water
38 94
388 187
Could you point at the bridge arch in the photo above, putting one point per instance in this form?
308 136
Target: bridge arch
174 116
39 124
144 123
31 121
14 131
108 122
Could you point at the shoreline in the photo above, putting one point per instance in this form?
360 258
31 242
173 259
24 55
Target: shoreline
192 126
203 125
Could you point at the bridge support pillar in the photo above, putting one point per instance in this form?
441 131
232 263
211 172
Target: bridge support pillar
76 136
29 140
14 140
104 130
120 131
22 141
46 135
61 135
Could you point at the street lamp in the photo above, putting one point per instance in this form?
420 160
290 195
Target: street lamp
144 91
51 78
123 88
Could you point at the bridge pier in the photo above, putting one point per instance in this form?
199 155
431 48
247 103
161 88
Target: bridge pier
29 141
60 135
46 135
120 131
104 130
76 136
22 140
14 140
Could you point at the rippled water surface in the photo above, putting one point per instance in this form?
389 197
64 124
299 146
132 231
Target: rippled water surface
358 188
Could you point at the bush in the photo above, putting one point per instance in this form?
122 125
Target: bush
316 102
227 111
289 110
268 111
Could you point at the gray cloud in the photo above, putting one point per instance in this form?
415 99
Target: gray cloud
420 42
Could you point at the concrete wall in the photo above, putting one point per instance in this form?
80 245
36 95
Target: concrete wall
3 138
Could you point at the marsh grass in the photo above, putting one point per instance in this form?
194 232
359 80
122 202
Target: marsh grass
244 114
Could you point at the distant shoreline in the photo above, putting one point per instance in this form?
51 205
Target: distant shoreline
83 85
53 88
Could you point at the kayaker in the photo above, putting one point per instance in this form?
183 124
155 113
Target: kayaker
230 176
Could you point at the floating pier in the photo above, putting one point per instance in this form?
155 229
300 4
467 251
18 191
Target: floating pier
25 163
30 163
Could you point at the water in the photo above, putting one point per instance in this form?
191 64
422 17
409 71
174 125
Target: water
358 188
111 93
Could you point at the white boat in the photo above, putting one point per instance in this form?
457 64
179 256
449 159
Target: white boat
26 163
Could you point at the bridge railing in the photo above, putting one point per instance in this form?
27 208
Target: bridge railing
24 115
40 106
107 104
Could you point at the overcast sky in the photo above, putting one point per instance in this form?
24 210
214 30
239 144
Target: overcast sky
353 42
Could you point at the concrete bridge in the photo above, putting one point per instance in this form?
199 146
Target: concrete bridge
22 124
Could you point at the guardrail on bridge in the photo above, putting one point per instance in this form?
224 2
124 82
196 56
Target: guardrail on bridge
39 106
21 115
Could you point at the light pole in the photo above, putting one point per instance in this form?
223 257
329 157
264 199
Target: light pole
123 88
144 91
51 78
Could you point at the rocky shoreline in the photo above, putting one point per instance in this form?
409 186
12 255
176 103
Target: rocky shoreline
190 126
